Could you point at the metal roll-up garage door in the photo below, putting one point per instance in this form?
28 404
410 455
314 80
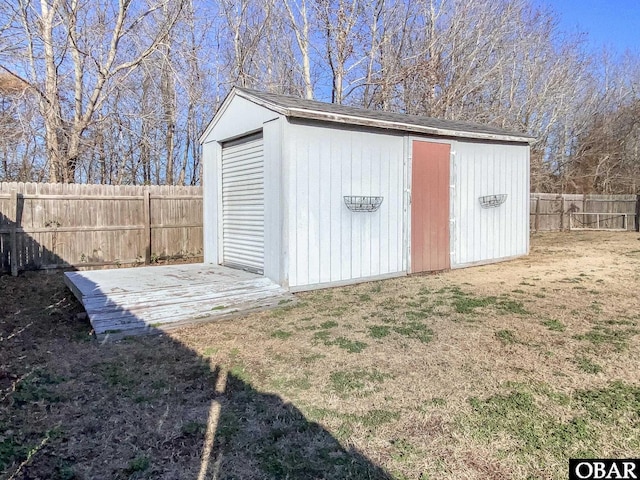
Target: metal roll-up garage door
243 203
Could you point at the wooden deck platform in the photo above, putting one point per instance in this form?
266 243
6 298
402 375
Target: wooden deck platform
135 301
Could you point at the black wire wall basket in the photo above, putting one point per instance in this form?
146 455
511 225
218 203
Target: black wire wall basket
362 204
492 201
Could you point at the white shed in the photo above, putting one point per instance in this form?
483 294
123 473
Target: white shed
312 194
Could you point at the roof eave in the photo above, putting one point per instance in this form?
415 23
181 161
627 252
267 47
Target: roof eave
262 102
405 127
364 121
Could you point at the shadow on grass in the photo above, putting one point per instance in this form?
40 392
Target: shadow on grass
146 407
257 434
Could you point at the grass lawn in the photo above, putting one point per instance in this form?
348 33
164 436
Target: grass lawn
493 372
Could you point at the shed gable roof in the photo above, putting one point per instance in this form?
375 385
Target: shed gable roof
314 110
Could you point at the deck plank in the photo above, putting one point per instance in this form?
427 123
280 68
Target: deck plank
143 300
136 279
173 295
158 313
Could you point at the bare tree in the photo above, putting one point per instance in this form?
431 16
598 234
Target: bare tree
300 21
19 149
246 21
86 49
606 157
339 20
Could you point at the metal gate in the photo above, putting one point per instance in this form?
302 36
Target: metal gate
243 203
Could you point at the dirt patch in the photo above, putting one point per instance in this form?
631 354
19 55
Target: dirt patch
498 371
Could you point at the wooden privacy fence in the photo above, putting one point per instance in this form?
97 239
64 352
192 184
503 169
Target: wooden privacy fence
72 225
553 212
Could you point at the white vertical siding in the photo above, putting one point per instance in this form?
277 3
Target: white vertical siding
489 234
273 201
211 154
327 243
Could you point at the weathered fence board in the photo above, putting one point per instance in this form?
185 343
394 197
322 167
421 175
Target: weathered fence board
62 225
551 211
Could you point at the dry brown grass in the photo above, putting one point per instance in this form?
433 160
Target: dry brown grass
499 371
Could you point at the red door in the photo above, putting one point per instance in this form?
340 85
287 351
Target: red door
430 207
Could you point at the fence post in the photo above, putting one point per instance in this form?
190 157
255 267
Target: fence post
147 226
562 213
637 213
536 218
13 235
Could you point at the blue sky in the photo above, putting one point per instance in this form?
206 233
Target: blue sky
614 24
